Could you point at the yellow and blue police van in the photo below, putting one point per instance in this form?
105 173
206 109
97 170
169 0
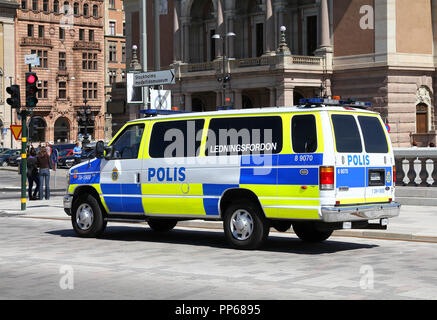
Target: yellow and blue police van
318 167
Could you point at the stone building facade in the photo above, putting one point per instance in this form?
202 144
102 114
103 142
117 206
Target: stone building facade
115 56
7 69
382 51
69 39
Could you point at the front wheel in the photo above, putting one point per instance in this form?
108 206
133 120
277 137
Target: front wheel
4 164
245 225
162 225
308 232
87 217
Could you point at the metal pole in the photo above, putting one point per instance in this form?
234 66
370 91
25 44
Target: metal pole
144 49
157 36
23 159
224 71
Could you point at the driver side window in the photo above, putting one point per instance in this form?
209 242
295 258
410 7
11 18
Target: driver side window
127 144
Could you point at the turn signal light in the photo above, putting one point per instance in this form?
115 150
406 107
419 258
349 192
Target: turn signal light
326 178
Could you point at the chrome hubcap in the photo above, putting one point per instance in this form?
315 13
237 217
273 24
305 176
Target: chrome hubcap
84 216
241 225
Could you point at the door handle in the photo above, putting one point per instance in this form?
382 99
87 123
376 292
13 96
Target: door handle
138 178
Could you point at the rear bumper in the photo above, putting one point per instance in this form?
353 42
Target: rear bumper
360 212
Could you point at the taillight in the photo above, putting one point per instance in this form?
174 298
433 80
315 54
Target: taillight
326 178
394 175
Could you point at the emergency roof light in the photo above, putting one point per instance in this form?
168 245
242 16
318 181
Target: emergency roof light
323 102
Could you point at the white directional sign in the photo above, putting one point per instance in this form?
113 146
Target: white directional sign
160 99
154 78
31 59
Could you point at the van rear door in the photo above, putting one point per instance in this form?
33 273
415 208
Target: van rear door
379 159
350 160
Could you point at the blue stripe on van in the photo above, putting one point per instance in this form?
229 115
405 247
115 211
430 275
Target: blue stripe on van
352 177
301 159
281 176
216 189
110 188
133 204
114 204
131 188
211 206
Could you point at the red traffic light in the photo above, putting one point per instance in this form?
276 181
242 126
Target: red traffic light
31 79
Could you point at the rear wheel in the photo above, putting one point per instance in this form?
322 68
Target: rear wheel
308 232
87 217
162 225
245 225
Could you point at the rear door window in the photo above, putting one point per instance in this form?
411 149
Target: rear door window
347 136
179 138
244 136
375 140
304 133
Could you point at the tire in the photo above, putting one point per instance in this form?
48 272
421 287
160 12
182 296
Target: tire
87 217
281 226
245 226
308 232
4 164
162 225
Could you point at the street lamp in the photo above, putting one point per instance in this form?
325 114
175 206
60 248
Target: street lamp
84 116
225 78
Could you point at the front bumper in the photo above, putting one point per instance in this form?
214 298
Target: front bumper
68 202
360 212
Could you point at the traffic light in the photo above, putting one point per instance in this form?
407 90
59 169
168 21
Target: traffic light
31 90
14 101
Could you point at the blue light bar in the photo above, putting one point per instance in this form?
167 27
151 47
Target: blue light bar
316 102
155 112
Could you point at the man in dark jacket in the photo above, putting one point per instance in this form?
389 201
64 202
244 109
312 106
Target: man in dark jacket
32 174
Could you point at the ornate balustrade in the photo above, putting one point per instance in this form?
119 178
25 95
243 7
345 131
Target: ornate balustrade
416 167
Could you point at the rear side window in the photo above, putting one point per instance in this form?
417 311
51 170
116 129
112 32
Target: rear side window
304 134
347 136
180 138
244 135
375 140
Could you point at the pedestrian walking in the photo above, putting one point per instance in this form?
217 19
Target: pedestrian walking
32 174
44 165
77 153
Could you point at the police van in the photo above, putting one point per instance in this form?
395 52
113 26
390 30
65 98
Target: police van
317 167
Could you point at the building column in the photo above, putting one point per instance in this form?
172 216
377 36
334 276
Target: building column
230 16
176 32
186 39
285 95
269 29
272 95
220 28
218 98
279 9
188 102
238 99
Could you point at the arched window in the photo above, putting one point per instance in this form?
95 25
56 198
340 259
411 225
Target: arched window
85 10
66 7
76 8
95 11
62 130
37 129
56 6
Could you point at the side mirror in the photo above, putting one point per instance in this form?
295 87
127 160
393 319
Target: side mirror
100 150
109 151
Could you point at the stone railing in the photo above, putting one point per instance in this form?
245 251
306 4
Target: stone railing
233 64
416 167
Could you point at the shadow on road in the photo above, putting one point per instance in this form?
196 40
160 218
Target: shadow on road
216 239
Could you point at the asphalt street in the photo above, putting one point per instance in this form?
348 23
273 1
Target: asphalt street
44 259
